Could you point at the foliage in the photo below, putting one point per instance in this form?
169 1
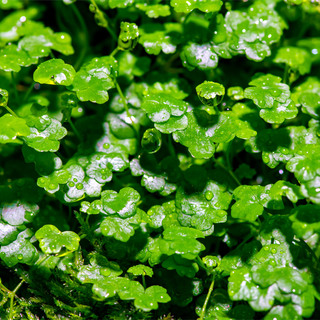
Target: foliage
159 159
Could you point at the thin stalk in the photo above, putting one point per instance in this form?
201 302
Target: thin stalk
11 111
15 91
203 310
74 129
286 74
27 94
144 282
84 47
170 146
103 17
12 295
124 100
51 55
114 52
202 265
230 172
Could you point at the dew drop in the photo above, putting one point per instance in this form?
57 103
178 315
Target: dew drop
79 186
71 184
274 251
20 256
266 248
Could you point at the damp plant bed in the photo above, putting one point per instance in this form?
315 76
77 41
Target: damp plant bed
159 159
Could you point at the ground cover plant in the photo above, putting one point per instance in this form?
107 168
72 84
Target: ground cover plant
159 159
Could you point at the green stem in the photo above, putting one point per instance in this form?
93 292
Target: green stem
104 18
229 171
74 129
202 265
124 100
12 295
85 43
114 52
52 55
144 282
170 147
286 74
11 111
203 311
27 94
15 91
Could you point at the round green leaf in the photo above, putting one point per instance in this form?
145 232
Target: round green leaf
54 71
51 240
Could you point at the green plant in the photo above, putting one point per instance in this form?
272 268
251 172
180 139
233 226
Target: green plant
159 159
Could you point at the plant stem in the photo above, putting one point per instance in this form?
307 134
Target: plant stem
74 129
12 294
114 52
203 311
144 282
286 74
170 147
104 18
123 99
14 87
202 265
11 111
27 94
229 171
84 47
52 55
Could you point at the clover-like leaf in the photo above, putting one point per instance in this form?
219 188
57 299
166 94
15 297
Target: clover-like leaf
54 71
18 213
305 168
268 277
205 208
154 10
94 79
123 203
184 267
313 46
42 41
160 37
249 203
305 220
120 229
21 250
159 177
141 270
250 32
196 138
205 6
296 58
164 215
182 241
12 127
201 56
151 297
52 182
266 90
52 240
210 93
310 104
45 162
12 58
46 133
166 112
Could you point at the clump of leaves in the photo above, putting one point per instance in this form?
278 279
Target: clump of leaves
131 180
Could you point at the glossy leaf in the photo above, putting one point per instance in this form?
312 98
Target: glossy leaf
54 71
205 6
11 128
52 240
93 81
